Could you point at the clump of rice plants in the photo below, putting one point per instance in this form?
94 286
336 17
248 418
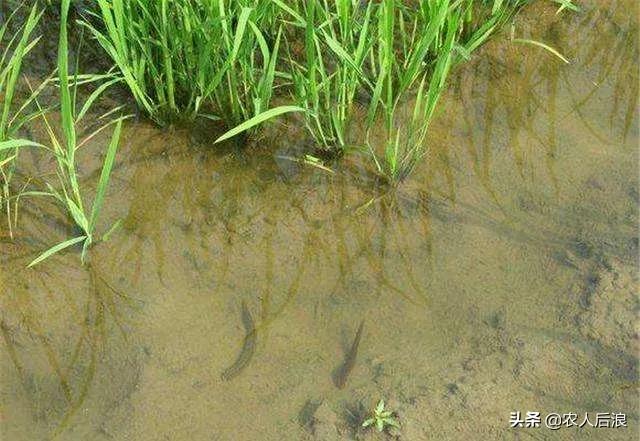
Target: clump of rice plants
184 59
68 191
415 49
328 74
12 113
163 52
225 60
220 59
392 56
412 46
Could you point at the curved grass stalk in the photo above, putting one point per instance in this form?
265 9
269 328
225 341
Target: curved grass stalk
257 120
542 45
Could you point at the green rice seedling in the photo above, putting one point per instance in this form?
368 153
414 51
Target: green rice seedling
68 192
163 52
415 49
245 93
12 114
329 75
184 59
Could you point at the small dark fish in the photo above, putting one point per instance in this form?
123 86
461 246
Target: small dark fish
248 348
342 372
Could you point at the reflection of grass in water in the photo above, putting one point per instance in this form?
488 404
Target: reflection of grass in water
494 78
489 87
616 63
73 371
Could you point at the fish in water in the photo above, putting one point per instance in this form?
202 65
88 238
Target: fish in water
248 347
342 372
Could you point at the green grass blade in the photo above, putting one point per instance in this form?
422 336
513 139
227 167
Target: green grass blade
56 249
258 119
6 161
66 105
301 22
94 96
15 63
104 176
18 143
240 30
77 214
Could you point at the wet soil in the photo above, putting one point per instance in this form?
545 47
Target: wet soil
501 277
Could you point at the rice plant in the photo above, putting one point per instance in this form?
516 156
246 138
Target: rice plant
13 114
415 49
392 56
245 93
68 192
162 52
184 59
329 76
248 74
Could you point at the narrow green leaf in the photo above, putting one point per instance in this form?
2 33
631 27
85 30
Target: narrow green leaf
111 230
5 161
18 143
95 95
104 176
78 215
240 29
258 119
300 21
56 249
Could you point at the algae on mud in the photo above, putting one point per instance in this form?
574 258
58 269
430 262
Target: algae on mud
505 268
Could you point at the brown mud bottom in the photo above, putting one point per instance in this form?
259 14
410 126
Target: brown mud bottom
501 277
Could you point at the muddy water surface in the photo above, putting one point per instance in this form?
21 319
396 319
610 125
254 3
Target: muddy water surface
502 277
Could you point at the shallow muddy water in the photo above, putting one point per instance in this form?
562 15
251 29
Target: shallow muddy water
501 277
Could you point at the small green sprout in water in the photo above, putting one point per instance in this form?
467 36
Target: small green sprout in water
381 418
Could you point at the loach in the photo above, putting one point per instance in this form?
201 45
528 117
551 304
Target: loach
341 374
248 348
